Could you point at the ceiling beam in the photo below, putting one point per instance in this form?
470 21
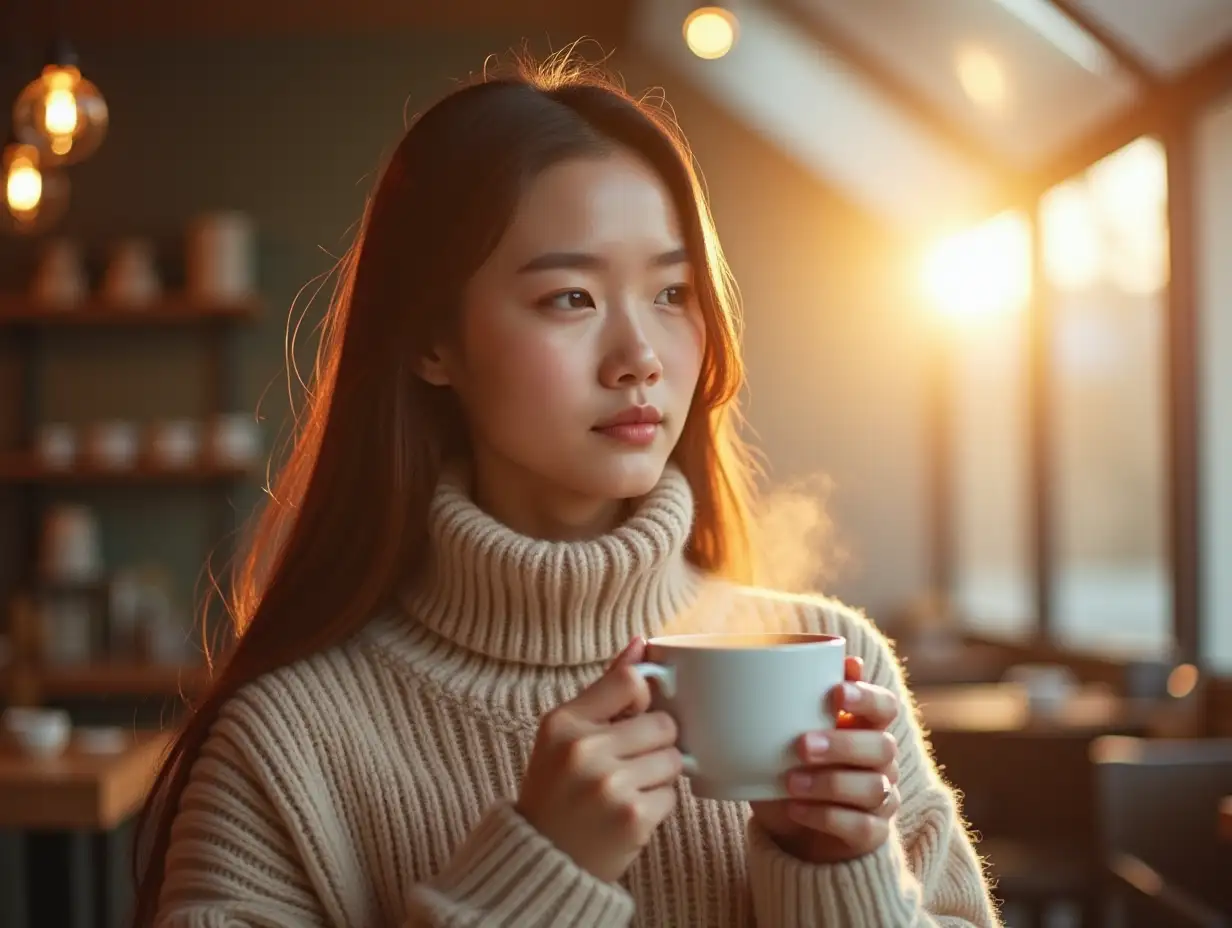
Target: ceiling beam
91 20
1128 60
914 104
1178 101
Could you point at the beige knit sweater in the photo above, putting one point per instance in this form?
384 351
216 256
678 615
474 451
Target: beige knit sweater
373 784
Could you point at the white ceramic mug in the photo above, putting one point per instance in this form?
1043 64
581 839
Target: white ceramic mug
61 281
741 701
57 445
131 278
173 443
220 259
113 444
235 440
71 548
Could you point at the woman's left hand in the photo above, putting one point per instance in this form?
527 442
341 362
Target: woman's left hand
846 791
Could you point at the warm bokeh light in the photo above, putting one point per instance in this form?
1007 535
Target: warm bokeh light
982 78
60 106
1131 182
710 32
982 271
35 197
23 181
1110 224
62 113
1071 240
1183 680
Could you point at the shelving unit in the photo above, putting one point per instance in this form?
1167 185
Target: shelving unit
168 311
33 684
31 483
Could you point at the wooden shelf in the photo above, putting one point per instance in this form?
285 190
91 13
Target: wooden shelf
109 678
168 311
19 467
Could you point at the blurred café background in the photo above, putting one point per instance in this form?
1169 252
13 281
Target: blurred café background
984 252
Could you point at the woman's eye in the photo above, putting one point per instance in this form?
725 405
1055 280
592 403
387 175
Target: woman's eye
678 295
569 299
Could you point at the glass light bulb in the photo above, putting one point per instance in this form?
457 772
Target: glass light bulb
34 197
61 113
23 188
710 32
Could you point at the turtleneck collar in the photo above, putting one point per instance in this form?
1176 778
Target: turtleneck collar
553 603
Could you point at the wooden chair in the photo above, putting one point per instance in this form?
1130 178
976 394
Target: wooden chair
1157 804
1029 797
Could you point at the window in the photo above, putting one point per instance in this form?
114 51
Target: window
1214 215
1105 261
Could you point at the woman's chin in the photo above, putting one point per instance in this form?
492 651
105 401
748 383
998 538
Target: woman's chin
629 478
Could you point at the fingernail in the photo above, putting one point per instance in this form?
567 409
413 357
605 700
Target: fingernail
851 694
799 783
816 742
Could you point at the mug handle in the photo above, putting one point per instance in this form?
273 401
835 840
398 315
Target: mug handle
665 677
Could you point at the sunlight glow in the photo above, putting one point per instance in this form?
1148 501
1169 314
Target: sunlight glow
1110 224
982 271
982 78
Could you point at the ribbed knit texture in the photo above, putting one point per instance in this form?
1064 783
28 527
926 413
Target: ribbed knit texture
374 784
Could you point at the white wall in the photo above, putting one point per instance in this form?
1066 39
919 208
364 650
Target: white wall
834 351
1214 195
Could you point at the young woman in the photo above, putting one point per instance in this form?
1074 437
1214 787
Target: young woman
517 462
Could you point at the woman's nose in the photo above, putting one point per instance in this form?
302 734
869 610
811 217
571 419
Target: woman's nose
636 365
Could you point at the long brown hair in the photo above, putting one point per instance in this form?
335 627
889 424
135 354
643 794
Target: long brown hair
346 522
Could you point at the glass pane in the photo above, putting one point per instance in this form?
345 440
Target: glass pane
1105 257
993 584
980 281
1214 205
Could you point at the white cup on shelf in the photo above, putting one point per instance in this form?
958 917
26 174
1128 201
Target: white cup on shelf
235 440
60 281
173 443
131 279
56 445
112 444
220 261
71 547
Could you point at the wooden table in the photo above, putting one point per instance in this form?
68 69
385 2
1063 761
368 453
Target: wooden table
89 796
1090 711
1225 818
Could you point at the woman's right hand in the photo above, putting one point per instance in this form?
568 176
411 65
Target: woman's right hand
602 773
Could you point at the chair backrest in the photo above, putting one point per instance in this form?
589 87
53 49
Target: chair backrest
1025 786
1158 800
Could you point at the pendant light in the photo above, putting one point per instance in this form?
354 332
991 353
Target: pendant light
60 112
711 31
35 197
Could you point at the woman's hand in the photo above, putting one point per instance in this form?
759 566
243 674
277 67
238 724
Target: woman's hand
846 792
602 774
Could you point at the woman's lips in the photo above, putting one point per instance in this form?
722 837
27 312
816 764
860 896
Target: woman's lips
638 434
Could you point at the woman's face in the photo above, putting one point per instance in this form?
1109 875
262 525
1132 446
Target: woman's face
580 343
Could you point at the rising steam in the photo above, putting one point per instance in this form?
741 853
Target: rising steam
794 537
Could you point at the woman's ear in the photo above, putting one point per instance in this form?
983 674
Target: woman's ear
433 369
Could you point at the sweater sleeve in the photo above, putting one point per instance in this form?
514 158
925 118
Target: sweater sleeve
250 847
927 875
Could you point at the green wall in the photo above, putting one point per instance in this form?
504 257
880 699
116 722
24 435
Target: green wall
290 131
